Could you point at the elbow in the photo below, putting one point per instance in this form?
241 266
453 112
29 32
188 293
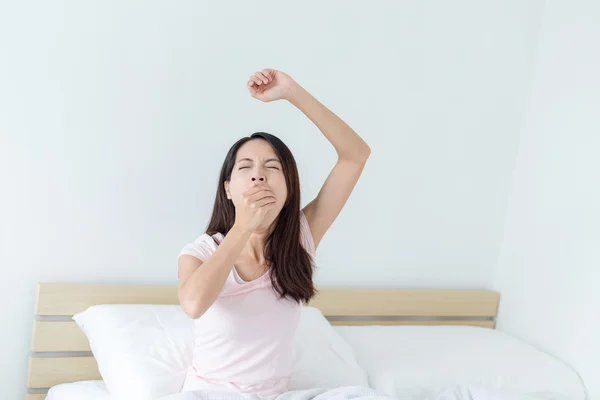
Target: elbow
363 154
366 153
192 307
359 157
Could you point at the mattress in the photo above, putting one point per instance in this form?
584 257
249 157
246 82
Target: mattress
419 362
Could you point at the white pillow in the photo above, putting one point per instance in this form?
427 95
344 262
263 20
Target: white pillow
142 351
423 361
82 390
322 358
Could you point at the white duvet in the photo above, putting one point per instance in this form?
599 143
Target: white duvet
96 390
459 392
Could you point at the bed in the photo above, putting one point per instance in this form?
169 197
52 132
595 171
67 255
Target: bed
424 328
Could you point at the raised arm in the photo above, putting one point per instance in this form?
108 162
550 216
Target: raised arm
268 85
352 152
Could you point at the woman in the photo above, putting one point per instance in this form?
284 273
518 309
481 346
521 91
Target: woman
244 280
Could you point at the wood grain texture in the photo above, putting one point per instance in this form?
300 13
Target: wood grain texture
392 302
30 396
45 372
55 336
71 298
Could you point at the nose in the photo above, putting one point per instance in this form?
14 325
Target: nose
258 179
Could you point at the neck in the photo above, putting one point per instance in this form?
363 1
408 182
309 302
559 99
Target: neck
254 247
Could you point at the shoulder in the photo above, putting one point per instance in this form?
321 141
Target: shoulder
203 246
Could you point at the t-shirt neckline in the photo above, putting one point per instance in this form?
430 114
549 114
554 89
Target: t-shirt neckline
238 279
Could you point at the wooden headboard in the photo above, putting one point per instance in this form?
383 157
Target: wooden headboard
60 352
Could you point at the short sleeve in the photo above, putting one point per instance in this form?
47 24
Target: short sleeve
201 248
306 237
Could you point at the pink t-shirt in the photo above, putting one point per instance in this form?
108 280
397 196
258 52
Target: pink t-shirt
244 341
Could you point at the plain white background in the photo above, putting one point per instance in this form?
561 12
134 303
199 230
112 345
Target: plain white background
115 118
548 272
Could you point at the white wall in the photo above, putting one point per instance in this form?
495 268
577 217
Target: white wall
548 271
115 118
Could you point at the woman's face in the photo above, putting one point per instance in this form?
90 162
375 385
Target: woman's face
256 161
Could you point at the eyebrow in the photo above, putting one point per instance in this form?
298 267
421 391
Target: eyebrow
266 161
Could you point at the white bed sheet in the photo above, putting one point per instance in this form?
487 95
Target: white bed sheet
421 361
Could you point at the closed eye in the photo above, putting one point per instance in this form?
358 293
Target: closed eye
249 167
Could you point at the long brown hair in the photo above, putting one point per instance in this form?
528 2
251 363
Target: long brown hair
291 267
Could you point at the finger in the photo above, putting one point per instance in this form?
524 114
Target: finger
269 73
262 202
249 192
261 195
253 91
255 189
250 82
262 76
256 80
266 202
255 185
